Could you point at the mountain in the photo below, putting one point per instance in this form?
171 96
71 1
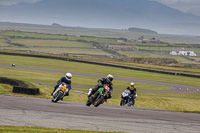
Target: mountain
116 14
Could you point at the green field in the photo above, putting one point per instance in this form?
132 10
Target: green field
177 102
97 32
180 59
91 47
55 36
87 45
54 47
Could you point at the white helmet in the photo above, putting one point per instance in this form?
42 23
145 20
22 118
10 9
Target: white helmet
132 84
68 76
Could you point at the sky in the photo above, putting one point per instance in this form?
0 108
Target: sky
187 6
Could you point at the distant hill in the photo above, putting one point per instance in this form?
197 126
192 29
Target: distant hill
56 25
115 14
142 31
96 32
11 26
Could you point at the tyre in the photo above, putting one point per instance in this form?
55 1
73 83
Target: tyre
133 102
123 102
88 103
98 101
58 96
95 95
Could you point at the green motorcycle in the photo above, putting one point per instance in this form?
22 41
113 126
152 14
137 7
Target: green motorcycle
99 97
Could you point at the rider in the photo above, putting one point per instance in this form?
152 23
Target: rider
132 89
103 81
13 64
67 80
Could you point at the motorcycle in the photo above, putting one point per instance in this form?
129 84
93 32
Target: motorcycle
13 64
127 98
60 92
99 97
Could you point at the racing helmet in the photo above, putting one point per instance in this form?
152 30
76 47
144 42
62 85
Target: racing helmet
109 77
68 76
132 86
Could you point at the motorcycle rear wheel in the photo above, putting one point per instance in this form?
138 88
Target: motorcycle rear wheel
131 103
98 101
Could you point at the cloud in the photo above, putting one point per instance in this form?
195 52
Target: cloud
14 2
172 2
187 6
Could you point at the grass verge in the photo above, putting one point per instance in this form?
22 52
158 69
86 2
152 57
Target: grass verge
27 129
188 102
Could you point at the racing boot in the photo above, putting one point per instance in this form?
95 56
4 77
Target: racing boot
53 91
55 87
90 92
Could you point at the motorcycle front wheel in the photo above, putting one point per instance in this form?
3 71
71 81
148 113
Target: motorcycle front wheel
58 96
88 103
123 102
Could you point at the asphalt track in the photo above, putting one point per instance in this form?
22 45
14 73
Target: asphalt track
41 112
15 110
